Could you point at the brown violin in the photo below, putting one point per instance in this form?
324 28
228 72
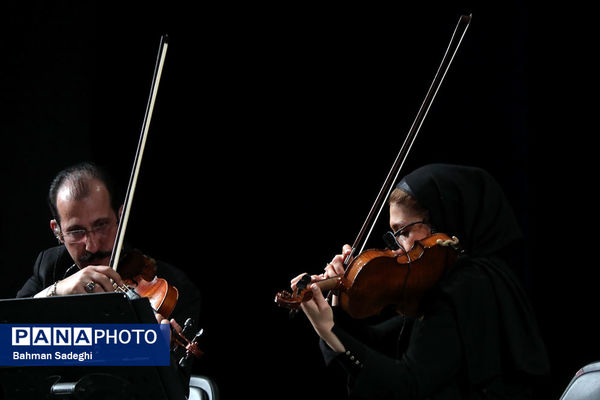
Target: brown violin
138 272
378 278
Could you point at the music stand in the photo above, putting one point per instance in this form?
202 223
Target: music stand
94 382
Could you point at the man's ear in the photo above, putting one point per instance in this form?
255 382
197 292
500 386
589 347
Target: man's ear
55 227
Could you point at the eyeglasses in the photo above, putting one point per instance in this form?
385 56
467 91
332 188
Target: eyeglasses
78 235
403 229
391 238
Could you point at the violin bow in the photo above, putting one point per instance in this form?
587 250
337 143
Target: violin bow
377 207
137 162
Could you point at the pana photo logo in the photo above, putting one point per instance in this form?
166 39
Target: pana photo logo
91 344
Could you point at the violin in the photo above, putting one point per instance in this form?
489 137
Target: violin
137 270
376 279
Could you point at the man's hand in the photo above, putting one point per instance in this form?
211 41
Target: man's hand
91 279
162 320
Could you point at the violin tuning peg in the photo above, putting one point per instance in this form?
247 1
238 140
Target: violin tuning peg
185 361
198 334
188 326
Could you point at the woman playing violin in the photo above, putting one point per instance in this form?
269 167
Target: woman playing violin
474 335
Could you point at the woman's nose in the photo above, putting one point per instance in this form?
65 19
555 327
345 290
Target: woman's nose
403 247
406 243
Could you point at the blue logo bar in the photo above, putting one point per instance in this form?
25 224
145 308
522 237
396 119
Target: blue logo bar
84 344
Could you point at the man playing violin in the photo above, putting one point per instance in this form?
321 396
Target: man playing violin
474 335
85 221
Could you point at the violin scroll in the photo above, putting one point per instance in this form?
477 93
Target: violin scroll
186 346
293 300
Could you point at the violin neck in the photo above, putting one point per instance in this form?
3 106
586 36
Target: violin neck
335 283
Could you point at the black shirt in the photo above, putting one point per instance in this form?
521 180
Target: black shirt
55 264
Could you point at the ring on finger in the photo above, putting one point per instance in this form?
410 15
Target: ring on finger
89 287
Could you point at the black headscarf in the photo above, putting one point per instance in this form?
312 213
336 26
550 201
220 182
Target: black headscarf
495 319
466 202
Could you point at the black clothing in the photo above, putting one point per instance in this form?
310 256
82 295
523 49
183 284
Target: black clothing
55 264
476 336
466 202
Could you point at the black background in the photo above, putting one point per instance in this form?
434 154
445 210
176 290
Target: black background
274 128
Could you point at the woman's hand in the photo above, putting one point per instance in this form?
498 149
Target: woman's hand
336 268
294 282
317 309
332 269
320 315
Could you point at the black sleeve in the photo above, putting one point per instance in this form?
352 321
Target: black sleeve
36 282
431 361
50 266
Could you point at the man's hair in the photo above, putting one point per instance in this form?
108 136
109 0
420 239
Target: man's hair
78 177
